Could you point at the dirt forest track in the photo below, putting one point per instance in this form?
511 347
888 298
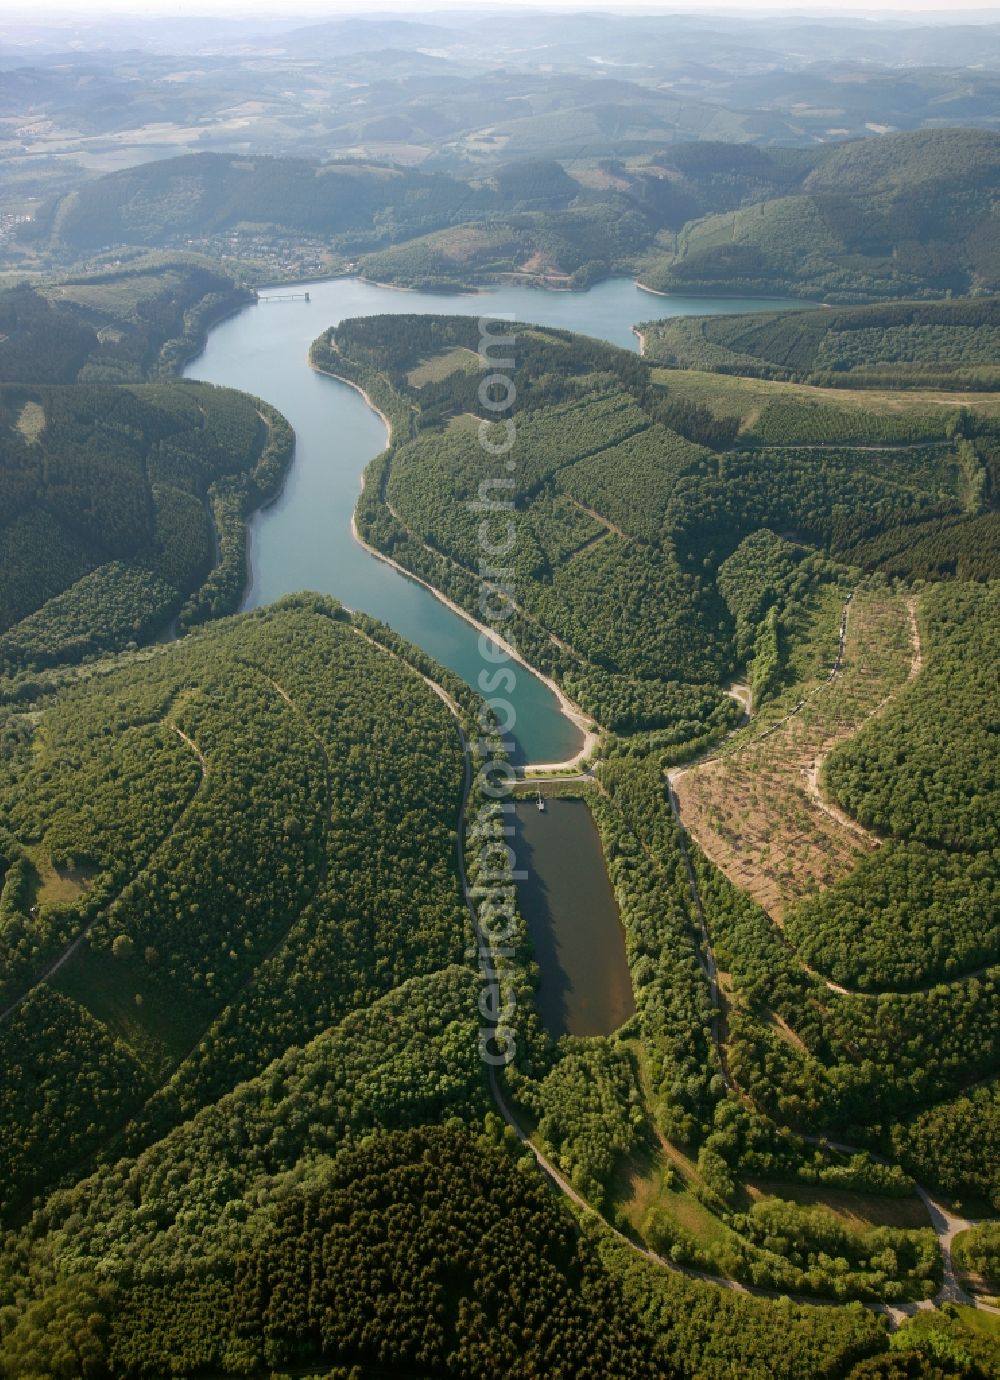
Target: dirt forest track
946 1226
755 803
77 943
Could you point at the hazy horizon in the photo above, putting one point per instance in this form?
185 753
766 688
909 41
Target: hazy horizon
75 10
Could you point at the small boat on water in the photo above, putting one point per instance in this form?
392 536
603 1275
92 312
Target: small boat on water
541 802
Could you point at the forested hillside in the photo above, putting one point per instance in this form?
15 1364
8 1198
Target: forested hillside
926 905
598 224
335 949
184 927
119 326
906 214
899 345
648 569
203 194
199 194
246 1125
122 506
431 1222
630 497
529 216
123 503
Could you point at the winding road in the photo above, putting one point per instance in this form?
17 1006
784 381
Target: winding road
946 1225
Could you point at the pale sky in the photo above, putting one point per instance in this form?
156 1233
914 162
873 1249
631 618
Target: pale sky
41 10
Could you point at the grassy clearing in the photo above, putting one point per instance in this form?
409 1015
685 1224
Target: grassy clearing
442 366
751 809
119 297
976 1320
727 395
650 1179
858 1211
31 422
56 886
463 422
663 1179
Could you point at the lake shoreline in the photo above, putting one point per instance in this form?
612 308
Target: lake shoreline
292 544
570 711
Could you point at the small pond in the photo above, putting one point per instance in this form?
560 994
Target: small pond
573 919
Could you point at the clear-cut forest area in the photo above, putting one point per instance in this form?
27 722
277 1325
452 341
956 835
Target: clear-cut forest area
742 402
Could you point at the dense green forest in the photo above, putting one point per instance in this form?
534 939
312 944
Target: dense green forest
900 215
124 502
117 326
206 192
628 499
339 959
907 344
923 777
414 227
113 500
920 346
248 723
575 246
246 1127
449 1231
873 218
616 463
611 498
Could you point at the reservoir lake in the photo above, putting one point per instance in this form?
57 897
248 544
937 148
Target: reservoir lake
303 541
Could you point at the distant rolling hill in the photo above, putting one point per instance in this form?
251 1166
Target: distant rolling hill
197 194
903 215
540 214
336 36
371 205
907 214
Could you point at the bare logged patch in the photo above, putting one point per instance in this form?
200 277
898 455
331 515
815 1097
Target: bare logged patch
31 422
757 811
539 262
464 245
442 366
58 885
119 297
601 179
728 394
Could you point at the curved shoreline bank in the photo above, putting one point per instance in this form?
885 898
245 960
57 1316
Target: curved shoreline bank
570 711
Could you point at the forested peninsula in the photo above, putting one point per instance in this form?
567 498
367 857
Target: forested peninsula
247 1129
